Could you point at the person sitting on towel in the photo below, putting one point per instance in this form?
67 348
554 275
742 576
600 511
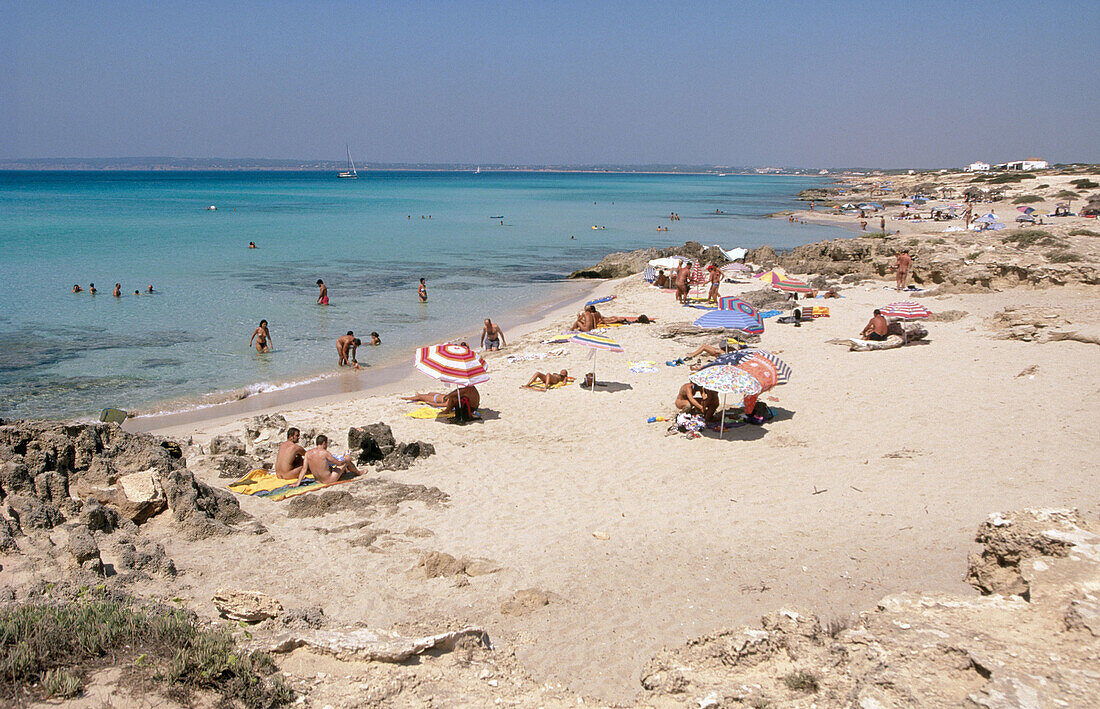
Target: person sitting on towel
288 461
876 328
549 379
662 279
587 320
694 399
326 467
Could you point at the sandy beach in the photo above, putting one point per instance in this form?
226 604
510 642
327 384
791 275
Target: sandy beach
870 481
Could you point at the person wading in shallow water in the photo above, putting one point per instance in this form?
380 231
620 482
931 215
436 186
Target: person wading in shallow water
262 337
322 297
422 291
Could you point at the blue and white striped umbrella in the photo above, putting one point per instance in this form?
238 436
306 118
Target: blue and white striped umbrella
731 320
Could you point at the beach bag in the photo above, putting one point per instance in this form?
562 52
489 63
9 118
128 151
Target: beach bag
464 412
760 413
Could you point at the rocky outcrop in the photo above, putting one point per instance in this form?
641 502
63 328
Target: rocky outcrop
1032 650
374 444
1035 324
51 471
624 263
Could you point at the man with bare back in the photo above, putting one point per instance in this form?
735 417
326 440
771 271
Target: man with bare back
288 461
325 467
682 281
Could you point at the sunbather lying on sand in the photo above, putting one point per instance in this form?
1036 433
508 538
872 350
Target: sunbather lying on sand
694 399
447 400
326 467
625 319
549 379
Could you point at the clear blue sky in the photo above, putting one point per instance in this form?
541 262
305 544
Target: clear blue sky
889 84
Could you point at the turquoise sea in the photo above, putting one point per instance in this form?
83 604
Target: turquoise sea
65 354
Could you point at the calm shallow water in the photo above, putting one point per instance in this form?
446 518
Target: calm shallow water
65 354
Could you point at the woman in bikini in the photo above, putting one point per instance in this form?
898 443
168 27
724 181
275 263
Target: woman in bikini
262 338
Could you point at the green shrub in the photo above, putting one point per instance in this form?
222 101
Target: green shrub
1062 257
1026 237
54 644
1042 187
1027 199
1007 177
1083 232
802 681
1084 184
1067 194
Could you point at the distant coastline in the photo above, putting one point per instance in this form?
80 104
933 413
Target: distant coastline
180 164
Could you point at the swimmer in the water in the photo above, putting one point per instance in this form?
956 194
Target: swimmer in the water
76 288
262 337
117 292
375 340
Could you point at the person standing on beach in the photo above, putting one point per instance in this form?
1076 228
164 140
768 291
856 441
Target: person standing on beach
904 262
715 279
682 282
422 291
117 292
882 224
346 347
492 337
262 338
288 461
322 297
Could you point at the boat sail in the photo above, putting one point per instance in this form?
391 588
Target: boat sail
350 173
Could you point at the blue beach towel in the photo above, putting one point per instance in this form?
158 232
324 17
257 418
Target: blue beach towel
605 299
770 313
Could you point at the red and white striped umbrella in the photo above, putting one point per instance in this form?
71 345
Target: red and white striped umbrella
906 310
452 364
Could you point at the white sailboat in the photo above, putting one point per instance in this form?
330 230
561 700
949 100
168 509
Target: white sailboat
478 170
350 173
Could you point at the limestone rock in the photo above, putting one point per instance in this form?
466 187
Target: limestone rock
265 426
374 645
225 444
247 606
374 442
84 551
147 557
302 618
525 601
97 518
31 513
201 509
234 467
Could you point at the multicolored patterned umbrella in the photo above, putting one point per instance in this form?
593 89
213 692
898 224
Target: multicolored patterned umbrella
596 342
1025 210
787 283
452 364
731 302
731 320
906 310
726 379
782 369
735 267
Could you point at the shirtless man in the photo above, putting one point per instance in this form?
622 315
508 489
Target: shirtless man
903 264
587 320
346 347
549 379
715 279
876 328
662 279
288 461
681 281
91 288
694 399
117 292
322 297
325 467
262 338
492 337
77 288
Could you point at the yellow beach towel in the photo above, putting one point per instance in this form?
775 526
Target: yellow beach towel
264 483
428 412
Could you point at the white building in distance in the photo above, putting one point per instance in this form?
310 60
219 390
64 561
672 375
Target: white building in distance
978 167
1025 164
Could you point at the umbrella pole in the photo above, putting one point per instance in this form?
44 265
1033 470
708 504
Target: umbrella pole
722 426
593 371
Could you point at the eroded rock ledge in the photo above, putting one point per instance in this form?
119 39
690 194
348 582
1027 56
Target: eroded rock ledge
1031 640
